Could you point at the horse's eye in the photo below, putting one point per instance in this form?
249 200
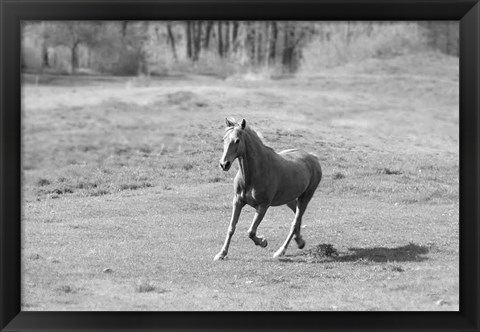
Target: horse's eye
236 141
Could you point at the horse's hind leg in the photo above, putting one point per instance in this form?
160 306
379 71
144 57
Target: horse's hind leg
295 224
302 203
252 232
298 238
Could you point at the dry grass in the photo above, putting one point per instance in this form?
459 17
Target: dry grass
126 178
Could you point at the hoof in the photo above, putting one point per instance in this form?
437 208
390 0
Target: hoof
279 253
301 244
264 243
220 257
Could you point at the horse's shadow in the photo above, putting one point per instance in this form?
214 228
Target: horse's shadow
408 253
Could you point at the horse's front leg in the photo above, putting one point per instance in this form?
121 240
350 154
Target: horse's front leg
237 207
257 219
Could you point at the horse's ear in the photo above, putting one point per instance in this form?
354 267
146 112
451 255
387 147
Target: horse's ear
230 122
243 124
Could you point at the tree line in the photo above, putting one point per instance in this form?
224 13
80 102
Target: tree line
133 47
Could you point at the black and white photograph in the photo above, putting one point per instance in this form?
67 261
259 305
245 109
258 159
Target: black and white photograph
212 165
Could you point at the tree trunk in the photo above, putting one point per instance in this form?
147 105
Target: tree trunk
220 39
285 45
208 31
86 62
189 39
266 43
74 57
287 53
45 62
253 42
273 43
241 48
171 39
124 29
259 42
227 37
197 41
234 36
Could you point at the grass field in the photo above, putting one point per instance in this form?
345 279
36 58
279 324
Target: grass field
125 205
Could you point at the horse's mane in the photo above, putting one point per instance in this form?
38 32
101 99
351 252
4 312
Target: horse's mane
256 134
252 132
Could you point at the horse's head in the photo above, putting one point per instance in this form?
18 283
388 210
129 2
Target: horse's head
233 143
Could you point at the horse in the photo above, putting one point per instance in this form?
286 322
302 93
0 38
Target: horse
266 178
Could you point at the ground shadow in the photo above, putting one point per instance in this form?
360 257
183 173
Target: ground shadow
327 253
408 253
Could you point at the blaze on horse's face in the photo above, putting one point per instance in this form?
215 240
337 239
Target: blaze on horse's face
233 144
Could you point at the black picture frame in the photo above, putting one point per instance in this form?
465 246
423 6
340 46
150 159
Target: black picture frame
13 12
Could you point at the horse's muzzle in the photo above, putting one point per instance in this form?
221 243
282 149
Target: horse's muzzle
225 166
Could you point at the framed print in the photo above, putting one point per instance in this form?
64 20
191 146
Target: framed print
270 165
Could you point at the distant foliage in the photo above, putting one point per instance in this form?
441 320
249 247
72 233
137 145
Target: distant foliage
443 36
72 35
221 48
339 43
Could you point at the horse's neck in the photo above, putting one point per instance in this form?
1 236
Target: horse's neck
252 160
